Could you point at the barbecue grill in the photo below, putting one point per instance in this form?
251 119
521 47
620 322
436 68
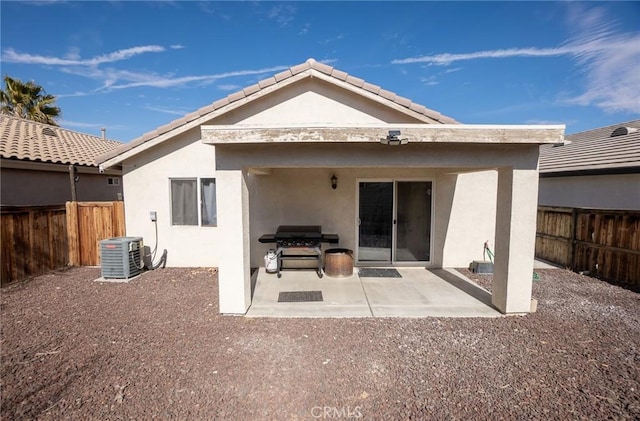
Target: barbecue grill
299 242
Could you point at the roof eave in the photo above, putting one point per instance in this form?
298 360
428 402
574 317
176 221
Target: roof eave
28 164
635 169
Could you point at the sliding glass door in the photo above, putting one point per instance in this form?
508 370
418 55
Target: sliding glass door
394 223
375 222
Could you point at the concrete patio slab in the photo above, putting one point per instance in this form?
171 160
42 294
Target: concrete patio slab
343 297
419 292
427 293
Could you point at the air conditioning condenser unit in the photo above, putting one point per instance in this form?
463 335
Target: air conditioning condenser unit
121 257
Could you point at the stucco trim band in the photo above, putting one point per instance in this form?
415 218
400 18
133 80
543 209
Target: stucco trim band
416 133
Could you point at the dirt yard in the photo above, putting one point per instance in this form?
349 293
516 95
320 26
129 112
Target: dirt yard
156 348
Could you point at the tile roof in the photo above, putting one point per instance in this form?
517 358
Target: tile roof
32 141
429 116
594 150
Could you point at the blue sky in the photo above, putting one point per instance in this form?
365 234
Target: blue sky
134 66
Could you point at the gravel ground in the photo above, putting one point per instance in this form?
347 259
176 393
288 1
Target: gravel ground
156 348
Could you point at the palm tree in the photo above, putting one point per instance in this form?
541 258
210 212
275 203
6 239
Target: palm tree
29 101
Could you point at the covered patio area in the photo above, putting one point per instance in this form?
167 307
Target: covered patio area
441 197
418 292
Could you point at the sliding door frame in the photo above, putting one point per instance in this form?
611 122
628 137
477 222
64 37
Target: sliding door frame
394 235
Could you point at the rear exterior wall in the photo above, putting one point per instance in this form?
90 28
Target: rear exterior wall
615 191
40 188
463 213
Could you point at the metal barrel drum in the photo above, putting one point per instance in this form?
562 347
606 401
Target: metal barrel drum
338 262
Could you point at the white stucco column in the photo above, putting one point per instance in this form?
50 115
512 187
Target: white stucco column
515 239
234 271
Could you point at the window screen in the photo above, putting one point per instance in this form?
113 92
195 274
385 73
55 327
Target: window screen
208 200
184 202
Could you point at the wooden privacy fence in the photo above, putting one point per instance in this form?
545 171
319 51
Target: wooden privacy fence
605 243
88 223
38 239
34 241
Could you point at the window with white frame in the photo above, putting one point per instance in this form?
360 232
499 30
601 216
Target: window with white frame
185 196
113 181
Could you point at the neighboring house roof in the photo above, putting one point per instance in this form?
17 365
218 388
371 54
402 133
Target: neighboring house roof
311 67
28 140
610 149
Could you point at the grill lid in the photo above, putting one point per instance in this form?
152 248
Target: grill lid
311 232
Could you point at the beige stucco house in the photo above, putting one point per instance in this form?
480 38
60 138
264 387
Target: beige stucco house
428 196
35 162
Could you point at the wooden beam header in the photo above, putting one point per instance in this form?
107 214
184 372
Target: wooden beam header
418 133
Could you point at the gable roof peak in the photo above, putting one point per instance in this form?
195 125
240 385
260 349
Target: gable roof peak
334 74
283 78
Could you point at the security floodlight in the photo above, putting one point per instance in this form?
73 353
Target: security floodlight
393 138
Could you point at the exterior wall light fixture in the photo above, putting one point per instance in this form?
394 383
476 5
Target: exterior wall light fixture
393 138
334 182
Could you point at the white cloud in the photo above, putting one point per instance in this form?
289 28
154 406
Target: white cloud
95 126
609 60
68 123
429 81
305 29
433 80
167 110
283 14
328 61
112 78
229 87
326 41
133 80
73 59
549 122
446 59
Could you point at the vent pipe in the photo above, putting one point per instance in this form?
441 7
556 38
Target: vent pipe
103 130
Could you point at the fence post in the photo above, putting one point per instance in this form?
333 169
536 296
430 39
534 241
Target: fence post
72 233
572 240
120 230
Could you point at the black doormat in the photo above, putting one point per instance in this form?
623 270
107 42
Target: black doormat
299 296
378 273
